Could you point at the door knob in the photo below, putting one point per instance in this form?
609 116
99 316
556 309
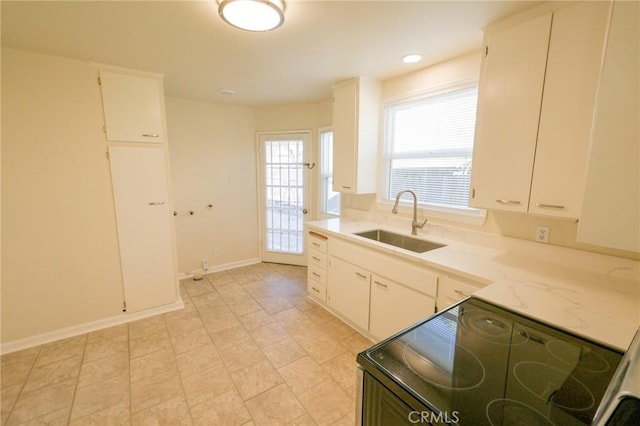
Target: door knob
305 211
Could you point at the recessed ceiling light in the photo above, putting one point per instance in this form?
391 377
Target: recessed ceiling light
410 59
227 92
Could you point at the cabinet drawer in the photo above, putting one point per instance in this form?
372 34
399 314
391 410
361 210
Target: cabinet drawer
317 241
317 259
316 290
407 273
452 290
316 274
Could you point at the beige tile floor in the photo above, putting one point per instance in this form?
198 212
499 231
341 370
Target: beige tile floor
249 348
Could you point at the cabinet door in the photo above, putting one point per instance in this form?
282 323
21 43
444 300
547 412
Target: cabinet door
348 291
144 226
395 307
573 68
132 107
345 134
611 205
508 110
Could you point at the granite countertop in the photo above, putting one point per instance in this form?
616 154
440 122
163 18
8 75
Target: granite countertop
591 295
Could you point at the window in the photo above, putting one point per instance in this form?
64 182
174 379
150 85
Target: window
329 200
429 145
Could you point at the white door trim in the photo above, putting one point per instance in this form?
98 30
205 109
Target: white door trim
294 259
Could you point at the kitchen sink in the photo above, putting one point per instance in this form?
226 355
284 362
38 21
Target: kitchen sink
398 240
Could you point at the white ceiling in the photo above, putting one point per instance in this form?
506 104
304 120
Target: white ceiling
320 43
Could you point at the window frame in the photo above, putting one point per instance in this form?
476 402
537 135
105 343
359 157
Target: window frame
469 215
322 192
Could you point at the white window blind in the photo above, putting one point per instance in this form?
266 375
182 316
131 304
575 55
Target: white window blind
429 145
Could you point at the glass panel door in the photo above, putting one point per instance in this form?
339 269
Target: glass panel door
283 197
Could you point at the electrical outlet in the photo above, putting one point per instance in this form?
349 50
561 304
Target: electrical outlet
217 252
542 234
205 264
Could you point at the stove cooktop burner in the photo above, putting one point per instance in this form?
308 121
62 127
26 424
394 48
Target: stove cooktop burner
553 385
439 375
504 411
589 360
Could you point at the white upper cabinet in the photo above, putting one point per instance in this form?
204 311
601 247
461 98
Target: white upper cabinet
573 68
611 205
509 100
535 108
356 104
133 107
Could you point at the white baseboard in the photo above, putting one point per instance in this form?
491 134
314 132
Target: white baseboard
218 268
76 330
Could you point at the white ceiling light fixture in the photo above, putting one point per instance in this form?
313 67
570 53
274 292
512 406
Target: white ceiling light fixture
252 15
410 59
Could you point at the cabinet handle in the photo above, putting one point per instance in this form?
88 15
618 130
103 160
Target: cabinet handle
317 259
380 284
315 244
549 206
156 203
151 135
346 187
461 293
315 289
509 202
364 277
316 274
315 234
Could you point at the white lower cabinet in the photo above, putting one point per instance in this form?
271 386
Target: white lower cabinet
348 291
394 307
353 282
359 291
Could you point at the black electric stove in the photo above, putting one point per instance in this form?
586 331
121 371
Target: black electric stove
479 364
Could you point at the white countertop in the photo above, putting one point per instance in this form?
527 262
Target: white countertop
592 295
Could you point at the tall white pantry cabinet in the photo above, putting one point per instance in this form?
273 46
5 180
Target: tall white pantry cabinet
135 130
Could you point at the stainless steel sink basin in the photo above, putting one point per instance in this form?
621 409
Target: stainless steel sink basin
398 240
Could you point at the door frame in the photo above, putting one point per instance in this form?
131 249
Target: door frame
292 259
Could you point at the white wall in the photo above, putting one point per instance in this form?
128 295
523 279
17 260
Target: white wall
458 69
212 152
213 161
60 263
308 116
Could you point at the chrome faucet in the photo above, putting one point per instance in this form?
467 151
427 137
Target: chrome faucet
414 223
